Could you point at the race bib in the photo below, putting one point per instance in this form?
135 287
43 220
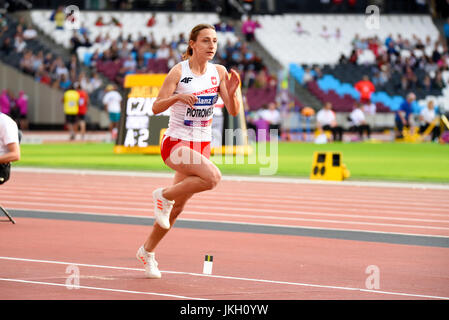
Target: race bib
202 112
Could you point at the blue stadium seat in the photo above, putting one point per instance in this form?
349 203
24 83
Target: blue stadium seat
297 72
87 58
147 56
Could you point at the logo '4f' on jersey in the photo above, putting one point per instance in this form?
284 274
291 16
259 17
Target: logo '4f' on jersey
186 79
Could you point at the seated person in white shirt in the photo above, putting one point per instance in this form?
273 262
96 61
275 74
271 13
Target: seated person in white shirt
272 116
9 145
326 120
358 121
426 117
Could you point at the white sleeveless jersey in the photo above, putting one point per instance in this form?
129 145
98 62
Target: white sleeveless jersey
194 123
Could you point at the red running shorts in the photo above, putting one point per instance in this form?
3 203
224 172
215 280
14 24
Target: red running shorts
169 144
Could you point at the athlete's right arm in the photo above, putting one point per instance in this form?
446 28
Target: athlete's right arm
166 98
13 153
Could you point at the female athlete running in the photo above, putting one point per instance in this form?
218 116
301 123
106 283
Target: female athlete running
191 89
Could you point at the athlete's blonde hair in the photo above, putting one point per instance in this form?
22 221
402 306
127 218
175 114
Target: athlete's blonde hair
193 36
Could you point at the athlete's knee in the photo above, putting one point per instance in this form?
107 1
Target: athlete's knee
213 179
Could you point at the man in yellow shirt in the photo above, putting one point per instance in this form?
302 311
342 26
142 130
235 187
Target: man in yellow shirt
71 106
60 18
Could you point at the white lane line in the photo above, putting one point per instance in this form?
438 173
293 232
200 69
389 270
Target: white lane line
147 207
101 289
305 195
58 195
235 278
409 185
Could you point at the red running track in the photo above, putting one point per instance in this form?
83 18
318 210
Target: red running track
35 253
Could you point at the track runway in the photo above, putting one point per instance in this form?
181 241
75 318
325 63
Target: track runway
77 233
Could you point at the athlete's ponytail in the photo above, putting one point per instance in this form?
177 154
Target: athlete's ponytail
193 36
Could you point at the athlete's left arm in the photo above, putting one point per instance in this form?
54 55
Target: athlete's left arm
228 89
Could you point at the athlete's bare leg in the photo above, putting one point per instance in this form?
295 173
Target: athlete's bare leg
192 176
158 233
201 174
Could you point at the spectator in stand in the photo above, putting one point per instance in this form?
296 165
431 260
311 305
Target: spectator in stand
249 28
173 58
22 104
342 59
152 20
129 66
163 52
38 61
308 76
82 109
44 77
73 66
261 80
83 31
427 84
325 34
5 102
353 57
26 63
112 101
366 88
300 30
359 123
71 107
99 22
84 82
6 46
170 21
19 44
29 33
272 115
436 55
59 18
404 85
59 68
389 40
65 82
374 45
3 25
48 60
357 43
75 42
404 116
337 34
95 82
317 74
326 120
411 77
438 81
115 22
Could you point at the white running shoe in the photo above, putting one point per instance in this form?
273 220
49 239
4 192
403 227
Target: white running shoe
162 208
149 262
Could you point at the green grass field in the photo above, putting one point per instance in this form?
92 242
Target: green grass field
366 161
